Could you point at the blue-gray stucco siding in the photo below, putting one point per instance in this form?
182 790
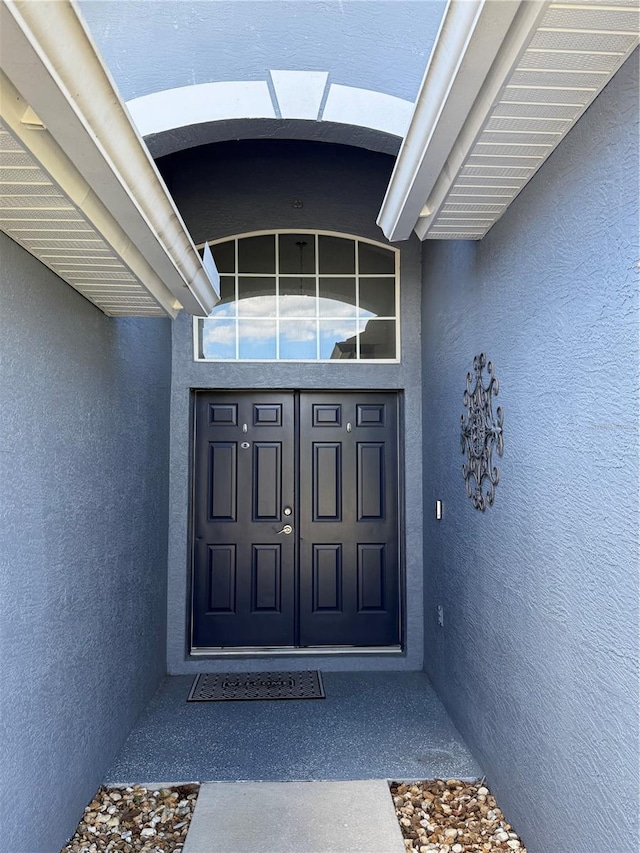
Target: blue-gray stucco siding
538 658
537 661
382 46
235 188
83 521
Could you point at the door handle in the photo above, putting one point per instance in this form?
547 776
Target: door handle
287 529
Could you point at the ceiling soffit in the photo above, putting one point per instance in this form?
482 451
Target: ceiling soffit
533 73
40 216
78 188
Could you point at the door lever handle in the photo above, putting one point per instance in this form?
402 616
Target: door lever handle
287 529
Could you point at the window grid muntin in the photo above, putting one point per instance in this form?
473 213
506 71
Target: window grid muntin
357 320
316 245
356 249
237 296
277 265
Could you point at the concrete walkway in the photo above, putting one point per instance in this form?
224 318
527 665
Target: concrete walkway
294 817
371 726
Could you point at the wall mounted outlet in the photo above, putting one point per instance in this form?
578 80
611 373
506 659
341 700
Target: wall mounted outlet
441 616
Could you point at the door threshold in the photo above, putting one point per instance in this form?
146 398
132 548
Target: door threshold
289 651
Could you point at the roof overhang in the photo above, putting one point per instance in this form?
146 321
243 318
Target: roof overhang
506 80
78 188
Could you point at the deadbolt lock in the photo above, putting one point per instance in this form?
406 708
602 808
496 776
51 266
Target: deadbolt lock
287 510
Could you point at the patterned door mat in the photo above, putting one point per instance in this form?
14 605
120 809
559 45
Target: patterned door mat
244 686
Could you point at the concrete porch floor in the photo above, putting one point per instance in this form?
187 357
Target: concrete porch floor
372 725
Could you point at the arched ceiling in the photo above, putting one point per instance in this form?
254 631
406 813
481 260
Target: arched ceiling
504 83
289 105
330 71
192 135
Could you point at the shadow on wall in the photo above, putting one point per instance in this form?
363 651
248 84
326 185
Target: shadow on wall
85 414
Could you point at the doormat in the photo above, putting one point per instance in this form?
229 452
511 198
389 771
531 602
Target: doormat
244 686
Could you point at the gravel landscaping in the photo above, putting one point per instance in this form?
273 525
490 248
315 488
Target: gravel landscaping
135 820
452 817
436 816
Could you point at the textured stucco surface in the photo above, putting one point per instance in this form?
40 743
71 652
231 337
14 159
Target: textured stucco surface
190 136
233 188
83 515
383 725
382 45
538 658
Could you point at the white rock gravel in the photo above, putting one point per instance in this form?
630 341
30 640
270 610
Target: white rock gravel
135 820
451 816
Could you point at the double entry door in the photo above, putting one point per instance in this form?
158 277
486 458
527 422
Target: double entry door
295 520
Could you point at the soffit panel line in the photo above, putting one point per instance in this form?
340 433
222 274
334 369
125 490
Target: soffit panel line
109 281
82 202
52 61
508 55
551 63
470 35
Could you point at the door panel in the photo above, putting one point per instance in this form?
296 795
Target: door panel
243 579
266 572
327 577
222 475
327 482
349 569
221 577
267 482
335 579
370 489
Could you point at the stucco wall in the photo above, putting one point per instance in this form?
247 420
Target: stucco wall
537 660
235 188
382 45
343 72
83 515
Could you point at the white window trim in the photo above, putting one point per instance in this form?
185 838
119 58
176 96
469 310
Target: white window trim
320 233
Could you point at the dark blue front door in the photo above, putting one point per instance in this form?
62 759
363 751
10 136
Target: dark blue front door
295 520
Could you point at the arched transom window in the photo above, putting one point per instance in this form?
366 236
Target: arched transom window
302 296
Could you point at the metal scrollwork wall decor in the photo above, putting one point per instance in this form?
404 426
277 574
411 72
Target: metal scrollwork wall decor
481 433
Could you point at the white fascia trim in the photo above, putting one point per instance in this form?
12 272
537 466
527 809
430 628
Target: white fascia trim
367 108
50 58
54 162
200 103
299 95
470 39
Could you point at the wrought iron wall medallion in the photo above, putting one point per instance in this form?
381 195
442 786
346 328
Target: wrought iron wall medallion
481 433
